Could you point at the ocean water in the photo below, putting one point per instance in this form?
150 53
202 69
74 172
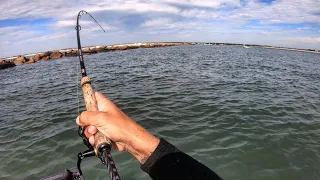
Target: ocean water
245 113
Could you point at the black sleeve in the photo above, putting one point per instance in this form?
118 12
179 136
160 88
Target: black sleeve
168 163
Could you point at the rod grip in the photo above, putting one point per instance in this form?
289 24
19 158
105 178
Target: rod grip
92 105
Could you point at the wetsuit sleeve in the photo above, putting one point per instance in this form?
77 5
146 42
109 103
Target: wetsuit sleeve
168 163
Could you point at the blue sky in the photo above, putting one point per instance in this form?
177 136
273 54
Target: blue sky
29 26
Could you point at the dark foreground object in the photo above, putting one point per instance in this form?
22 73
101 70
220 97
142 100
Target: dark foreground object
6 65
167 162
72 174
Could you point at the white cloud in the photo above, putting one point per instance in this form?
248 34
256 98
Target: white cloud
205 3
85 24
308 40
198 13
128 7
16 34
281 11
36 9
46 38
9 29
293 11
151 20
156 22
67 23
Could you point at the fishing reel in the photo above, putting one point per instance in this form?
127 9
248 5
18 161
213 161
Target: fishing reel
90 152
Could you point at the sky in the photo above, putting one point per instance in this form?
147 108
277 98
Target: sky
30 26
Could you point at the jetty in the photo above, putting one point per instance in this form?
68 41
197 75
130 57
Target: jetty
56 54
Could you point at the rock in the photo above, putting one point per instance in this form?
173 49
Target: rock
37 57
55 55
100 49
116 47
87 51
48 53
73 52
146 46
45 58
133 47
30 61
3 61
6 65
20 60
122 47
110 48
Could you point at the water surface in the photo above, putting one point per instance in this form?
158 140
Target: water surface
245 113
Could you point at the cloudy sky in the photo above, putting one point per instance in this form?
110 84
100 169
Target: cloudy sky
28 26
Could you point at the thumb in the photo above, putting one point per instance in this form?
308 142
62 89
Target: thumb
89 118
104 104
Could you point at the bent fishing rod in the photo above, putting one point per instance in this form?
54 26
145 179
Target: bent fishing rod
102 146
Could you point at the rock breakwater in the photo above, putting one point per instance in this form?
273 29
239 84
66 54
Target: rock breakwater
44 56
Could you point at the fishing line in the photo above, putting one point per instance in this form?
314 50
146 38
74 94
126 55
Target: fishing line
77 85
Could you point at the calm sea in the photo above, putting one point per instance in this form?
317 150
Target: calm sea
245 113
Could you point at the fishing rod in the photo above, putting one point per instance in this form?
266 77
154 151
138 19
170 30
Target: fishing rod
102 146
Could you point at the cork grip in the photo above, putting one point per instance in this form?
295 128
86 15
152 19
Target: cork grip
92 105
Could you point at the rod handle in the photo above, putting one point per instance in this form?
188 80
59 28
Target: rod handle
92 105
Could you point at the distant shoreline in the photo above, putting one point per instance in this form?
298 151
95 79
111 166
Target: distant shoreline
263 46
44 56
293 49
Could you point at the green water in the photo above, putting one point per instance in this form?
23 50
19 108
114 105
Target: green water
245 113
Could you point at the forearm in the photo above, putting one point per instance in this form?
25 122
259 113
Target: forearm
141 143
167 162
159 159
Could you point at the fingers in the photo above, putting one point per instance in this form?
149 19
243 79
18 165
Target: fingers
91 120
88 118
91 140
90 130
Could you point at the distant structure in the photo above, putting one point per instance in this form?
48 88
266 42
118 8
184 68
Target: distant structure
244 45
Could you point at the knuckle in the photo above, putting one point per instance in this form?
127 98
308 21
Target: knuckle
101 116
82 114
83 117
